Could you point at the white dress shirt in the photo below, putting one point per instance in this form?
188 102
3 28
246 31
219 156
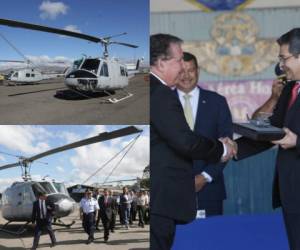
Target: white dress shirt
89 205
43 210
194 99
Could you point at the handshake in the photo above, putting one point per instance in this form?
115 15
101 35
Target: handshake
230 147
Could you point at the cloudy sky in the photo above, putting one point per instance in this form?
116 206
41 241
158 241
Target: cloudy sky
75 165
94 17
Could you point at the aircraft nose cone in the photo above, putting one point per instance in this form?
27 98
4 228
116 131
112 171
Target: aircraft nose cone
64 205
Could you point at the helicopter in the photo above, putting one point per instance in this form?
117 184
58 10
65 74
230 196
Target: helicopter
30 74
17 200
91 74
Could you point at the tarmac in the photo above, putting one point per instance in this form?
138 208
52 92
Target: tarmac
135 238
51 102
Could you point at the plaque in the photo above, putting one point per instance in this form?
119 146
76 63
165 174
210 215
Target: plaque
258 131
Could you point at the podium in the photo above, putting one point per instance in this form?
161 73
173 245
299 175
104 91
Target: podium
242 232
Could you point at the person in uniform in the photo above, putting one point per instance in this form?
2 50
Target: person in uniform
88 212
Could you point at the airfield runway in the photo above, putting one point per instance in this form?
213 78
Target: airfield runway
74 238
52 103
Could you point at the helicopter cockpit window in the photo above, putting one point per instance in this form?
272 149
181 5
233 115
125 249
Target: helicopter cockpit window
60 187
27 75
91 65
32 75
77 64
48 187
16 74
37 188
104 70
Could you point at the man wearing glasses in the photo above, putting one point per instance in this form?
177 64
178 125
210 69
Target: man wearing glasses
173 146
286 114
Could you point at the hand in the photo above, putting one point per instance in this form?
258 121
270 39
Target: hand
288 141
200 182
231 147
277 87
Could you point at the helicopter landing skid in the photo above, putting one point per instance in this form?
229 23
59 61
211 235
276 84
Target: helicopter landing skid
62 224
20 231
115 100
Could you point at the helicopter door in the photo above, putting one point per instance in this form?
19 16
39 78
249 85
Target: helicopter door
17 202
104 78
27 202
123 76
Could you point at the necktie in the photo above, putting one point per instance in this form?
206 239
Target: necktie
294 94
188 111
42 210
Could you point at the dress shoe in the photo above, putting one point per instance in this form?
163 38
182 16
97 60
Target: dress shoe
53 244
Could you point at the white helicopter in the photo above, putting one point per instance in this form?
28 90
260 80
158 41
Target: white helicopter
28 74
91 74
17 200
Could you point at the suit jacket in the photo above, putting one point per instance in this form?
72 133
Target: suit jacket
106 210
173 146
36 214
286 183
213 120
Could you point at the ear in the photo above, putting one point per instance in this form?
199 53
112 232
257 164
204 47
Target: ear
160 65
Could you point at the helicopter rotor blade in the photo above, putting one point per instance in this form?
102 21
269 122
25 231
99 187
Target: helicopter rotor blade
101 137
18 156
9 165
125 44
18 24
109 37
17 61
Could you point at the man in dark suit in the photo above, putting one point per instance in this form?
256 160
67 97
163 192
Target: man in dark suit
42 213
173 146
286 114
114 211
211 117
106 205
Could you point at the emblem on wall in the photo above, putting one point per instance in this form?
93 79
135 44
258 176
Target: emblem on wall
209 5
235 48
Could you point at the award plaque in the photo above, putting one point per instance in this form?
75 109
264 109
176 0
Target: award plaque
258 131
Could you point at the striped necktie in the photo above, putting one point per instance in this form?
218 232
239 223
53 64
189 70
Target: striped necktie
188 111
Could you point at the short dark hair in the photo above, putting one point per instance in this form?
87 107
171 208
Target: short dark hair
291 38
41 194
160 46
187 57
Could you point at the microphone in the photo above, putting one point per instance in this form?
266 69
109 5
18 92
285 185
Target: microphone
281 76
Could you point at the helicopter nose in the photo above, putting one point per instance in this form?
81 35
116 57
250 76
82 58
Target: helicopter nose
71 82
64 205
